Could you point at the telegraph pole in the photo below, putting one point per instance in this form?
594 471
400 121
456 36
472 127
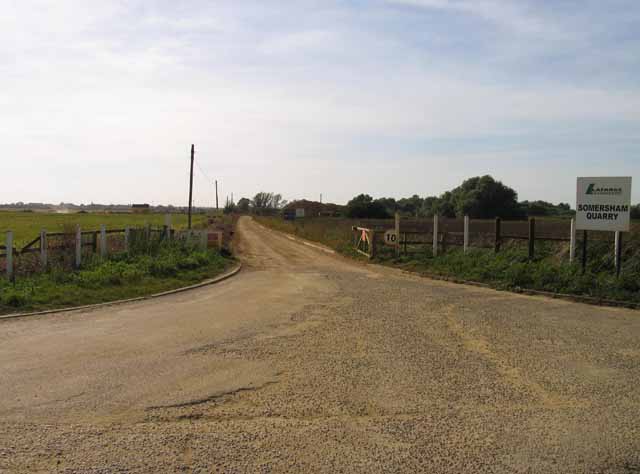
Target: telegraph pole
216 194
191 185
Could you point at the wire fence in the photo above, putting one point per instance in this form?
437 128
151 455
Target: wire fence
75 247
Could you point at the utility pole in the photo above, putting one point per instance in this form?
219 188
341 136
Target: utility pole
216 194
320 198
191 184
232 199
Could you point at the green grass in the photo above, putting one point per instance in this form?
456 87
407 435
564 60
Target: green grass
509 269
26 226
119 277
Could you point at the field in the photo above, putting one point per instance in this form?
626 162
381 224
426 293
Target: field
509 269
27 225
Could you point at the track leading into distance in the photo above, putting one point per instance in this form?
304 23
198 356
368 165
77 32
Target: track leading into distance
306 362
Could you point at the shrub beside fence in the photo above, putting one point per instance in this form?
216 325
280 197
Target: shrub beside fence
407 235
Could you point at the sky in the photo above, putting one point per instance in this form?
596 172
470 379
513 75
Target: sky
100 101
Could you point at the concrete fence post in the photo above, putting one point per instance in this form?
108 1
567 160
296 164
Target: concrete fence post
43 247
103 241
127 238
618 252
167 224
9 255
572 241
78 246
435 235
465 244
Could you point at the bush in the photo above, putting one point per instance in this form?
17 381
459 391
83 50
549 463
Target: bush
122 275
14 297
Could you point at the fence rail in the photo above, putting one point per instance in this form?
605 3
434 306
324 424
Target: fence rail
71 249
441 232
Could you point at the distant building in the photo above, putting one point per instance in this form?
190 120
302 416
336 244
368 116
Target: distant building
140 208
305 209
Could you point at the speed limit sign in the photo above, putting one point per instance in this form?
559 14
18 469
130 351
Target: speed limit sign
390 237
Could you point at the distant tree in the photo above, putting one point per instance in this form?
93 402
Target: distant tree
389 204
635 211
445 205
543 208
277 202
262 200
244 204
229 208
410 206
364 207
429 206
483 197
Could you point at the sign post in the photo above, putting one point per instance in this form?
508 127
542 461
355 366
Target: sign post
391 238
603 204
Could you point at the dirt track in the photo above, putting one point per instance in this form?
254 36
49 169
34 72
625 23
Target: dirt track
306 362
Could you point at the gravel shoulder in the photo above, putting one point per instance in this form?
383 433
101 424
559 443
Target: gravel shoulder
307 362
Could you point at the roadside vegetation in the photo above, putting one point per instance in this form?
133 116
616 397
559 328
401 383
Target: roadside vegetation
145 270
27 225
509 269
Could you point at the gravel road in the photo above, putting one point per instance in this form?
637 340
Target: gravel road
308 362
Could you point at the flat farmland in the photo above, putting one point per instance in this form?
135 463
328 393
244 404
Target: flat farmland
27 225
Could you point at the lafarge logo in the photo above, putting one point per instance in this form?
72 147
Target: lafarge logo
594 190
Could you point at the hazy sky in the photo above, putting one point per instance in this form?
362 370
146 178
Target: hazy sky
100 101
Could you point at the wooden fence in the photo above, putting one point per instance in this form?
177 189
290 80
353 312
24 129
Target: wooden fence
70 250
405 234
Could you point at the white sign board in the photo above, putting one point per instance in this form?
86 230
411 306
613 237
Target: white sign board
299 212
603 204
390 237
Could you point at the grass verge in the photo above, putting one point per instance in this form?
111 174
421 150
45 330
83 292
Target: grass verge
508 270
121 276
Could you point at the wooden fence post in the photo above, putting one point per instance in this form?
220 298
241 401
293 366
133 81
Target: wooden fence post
103 241
435 235
397 234
498 240
532 237
43 248
572 241
373 243
78 246
618 251
9 255
127 238
584 251
466 235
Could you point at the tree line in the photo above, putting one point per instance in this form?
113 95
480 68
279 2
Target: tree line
480 197
262 203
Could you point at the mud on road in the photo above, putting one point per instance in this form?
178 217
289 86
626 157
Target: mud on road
308 362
